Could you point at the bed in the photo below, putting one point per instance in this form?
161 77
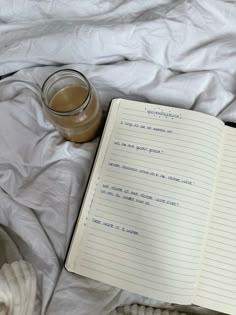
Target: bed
180 53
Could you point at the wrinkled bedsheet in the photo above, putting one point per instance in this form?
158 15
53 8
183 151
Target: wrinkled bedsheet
179 53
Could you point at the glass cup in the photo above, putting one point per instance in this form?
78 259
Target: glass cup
72 105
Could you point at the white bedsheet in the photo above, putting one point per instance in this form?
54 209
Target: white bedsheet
179 53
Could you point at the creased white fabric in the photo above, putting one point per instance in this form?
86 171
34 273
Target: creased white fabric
179 53
9 253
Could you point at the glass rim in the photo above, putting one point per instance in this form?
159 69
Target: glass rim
78 109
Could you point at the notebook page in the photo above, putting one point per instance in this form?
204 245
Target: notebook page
147 218
217 284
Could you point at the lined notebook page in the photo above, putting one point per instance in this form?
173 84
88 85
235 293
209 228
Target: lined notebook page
217 288
147 214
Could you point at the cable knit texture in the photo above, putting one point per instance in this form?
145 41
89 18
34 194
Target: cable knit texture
17 280
17 289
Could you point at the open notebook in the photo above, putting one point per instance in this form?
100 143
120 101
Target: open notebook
159 214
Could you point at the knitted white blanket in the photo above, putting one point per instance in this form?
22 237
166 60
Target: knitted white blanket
17 280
